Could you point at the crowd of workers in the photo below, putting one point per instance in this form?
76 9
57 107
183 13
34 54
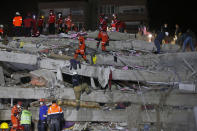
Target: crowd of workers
33 26
165 36
21 117
52 116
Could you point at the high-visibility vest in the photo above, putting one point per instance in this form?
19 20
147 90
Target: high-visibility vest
26 117
54 109
17 21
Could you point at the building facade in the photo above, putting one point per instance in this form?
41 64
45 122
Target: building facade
86 12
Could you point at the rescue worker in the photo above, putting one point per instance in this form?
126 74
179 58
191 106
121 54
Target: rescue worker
40 24
60 23
26 117
165 29
28 25
158 41
102 22
177 34
34 29
79 88
104 38
68 24
51 22
4 126
15 117
188 38
122 27
113 26
17 22
81 49
1 31
42 124
55 116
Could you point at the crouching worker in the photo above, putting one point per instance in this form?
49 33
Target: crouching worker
55 116
79 88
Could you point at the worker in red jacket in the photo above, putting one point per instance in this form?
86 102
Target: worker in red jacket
103 22
34 30
104 38
68 24
17 22
40 24
81 49
1 31
51 22
122 27
60 23
28 21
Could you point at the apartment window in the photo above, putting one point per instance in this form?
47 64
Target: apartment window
131 9
107 9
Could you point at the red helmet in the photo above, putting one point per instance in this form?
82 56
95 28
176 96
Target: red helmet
42 100
19 103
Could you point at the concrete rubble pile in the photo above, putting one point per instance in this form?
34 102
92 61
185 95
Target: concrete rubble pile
132 88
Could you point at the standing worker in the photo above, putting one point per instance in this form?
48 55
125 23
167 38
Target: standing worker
68 24
17 22
34 21
28 25
60 23
55 116
51 22
158 41
1 32
79 88
41 24
104 38
42 124
15 117
26 118
81 49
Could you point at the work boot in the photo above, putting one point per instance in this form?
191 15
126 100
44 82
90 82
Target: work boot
87 61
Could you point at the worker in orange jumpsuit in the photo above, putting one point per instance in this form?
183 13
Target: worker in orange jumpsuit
68 24
104 38
81 49
17 22
55 116
15 117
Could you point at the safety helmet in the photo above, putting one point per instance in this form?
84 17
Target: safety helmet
20 103
42 16
1 26
42 100
74 73
17 13
4 125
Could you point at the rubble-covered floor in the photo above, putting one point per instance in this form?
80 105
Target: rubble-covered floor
147 90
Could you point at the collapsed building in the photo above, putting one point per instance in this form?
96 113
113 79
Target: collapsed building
156 92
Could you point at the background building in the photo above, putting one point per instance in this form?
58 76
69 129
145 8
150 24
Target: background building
86 12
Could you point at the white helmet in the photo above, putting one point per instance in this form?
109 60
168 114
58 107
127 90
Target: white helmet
74 73
1 26
17 13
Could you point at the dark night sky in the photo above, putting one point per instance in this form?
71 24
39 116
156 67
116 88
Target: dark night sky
182 12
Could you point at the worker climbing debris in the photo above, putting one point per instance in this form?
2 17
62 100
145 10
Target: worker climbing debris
79 88
104 39
81 49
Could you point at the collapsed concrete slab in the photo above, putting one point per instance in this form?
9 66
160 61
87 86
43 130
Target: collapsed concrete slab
174 99
113 35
